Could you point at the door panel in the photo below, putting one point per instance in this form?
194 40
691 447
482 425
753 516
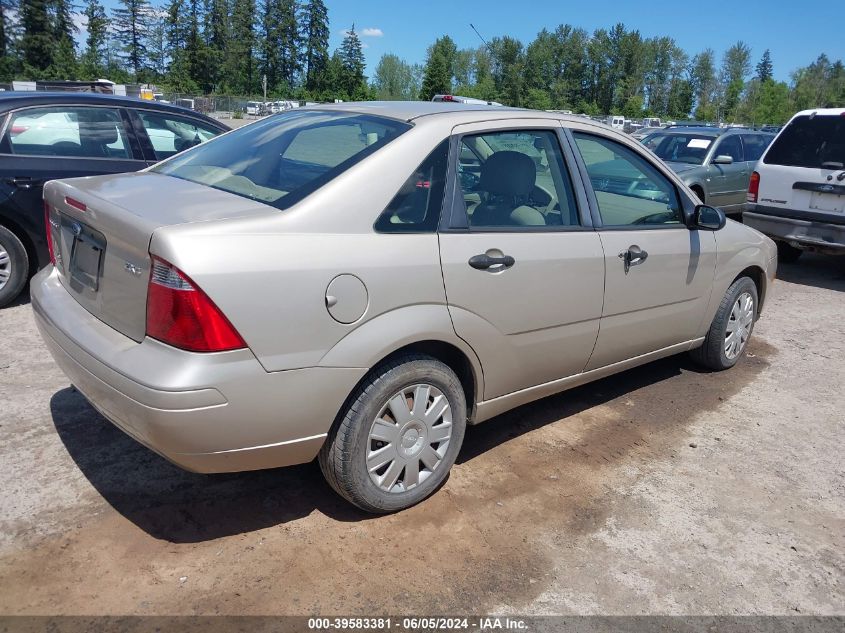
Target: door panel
659 302
531 323
658 273
524 280
728 182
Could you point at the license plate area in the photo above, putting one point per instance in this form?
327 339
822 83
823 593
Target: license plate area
827 202
87 247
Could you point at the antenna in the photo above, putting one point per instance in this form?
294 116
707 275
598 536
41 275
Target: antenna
481 38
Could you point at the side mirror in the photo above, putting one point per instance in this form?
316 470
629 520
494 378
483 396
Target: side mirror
723 159
708 218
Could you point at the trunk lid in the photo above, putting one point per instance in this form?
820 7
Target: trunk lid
102 227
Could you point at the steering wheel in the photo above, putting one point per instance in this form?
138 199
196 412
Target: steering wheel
542 199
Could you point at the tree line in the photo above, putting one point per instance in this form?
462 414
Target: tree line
232 46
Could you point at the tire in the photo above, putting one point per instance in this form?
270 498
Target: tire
343 458
788 254
14 266
713 353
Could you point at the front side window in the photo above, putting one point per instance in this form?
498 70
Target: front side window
78 132
281 160
813 141
416 207
730 146
516 179
629 190
170 135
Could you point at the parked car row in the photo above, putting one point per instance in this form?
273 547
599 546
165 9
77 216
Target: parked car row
264 108
359 282
45 136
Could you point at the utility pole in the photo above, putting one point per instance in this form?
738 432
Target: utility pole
264 85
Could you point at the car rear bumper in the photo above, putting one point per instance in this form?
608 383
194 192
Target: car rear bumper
207 413
797 228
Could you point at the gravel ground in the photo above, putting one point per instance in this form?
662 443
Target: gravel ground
663 490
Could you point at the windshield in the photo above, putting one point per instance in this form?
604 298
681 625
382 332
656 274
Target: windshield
284 158
810 141
679 148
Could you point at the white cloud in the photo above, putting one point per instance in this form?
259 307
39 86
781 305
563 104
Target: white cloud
372 32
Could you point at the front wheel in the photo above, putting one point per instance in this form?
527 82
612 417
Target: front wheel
399 435
731 328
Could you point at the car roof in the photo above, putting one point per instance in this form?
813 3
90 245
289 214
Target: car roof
462 112
822 111
13 100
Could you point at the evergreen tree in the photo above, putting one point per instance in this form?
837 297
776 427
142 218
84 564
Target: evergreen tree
240 67
216 39
351 56
37 44
131 27
3 29
436 78
764 67
280 45
315 37
178 26
95 42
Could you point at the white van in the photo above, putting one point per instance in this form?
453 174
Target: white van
796 194
253 107
616 122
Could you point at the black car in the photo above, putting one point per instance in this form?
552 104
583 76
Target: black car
44 136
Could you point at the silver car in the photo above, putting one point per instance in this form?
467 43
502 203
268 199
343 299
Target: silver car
715 163
359 282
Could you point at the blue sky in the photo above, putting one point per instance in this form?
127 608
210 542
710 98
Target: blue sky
795 35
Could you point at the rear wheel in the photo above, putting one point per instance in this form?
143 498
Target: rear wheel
14 266
399 436
787 253
731 328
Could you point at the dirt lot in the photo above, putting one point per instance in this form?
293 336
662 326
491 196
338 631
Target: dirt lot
662 490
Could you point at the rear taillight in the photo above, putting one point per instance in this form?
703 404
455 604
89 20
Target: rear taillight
753 187
17 129
180 314
48 228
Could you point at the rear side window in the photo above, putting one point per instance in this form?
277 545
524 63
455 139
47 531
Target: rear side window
281 160
416 207
77 132
816 142
755 145
170 135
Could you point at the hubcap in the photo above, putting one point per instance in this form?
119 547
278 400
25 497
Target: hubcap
739 325
5 267
409 438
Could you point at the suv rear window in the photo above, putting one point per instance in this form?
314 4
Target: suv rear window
816 142
283 159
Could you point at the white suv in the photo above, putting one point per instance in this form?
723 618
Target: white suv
797 192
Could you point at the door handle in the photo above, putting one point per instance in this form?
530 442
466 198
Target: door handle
23 182
484 261
634 256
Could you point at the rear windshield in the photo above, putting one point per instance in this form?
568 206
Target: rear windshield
284 158
810 141
680 148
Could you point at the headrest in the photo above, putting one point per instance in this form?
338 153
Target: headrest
99 132
508 173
